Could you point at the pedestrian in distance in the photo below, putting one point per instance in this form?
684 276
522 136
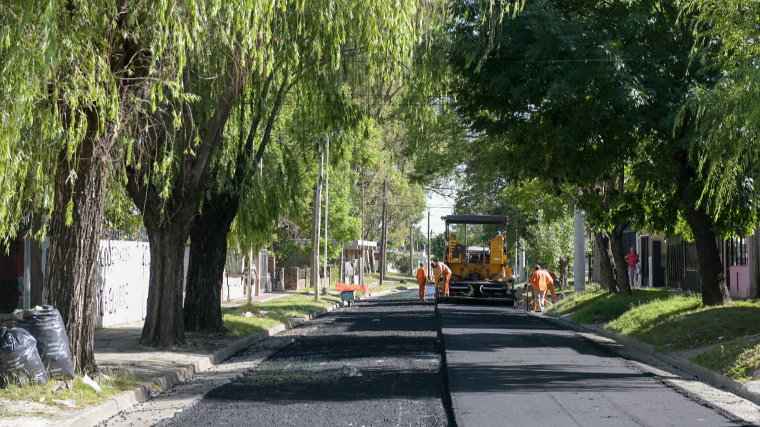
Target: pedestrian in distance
422 280
444 276
540 281
633 266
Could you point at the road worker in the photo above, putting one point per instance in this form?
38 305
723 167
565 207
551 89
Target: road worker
540 281
444 276
550 285
422 280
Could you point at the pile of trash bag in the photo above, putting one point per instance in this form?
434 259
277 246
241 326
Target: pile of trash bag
45 324
19 361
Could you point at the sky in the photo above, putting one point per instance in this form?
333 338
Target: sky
438 206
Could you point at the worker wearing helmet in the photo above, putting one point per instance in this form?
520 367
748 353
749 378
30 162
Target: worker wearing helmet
444 275
422 280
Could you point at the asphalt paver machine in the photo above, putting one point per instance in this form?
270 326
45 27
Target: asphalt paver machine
475 252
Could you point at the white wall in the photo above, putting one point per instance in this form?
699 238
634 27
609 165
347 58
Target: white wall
123 274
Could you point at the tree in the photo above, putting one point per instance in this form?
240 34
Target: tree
65 114
622 74
262 53
726 113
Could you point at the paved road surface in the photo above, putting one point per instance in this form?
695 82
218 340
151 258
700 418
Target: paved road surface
395 345
508 368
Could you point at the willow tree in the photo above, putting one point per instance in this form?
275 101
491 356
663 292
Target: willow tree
243 59
67 99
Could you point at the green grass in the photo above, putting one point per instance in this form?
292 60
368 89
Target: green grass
596 306
738 359
111 382
271 313
681 322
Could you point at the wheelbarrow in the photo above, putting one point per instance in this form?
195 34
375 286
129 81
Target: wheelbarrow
348 296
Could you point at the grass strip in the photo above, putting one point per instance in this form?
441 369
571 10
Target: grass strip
38 399
681 322
738 359
596 306
267 314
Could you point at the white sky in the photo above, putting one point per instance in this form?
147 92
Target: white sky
438 206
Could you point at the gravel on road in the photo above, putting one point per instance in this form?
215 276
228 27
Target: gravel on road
375 364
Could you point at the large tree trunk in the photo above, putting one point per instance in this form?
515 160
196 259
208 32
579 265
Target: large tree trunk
621 266
714 289
606 262
72 274
163 322
208 255
564 264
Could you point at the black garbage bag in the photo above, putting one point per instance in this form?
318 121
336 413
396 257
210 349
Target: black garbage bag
46 326
19 361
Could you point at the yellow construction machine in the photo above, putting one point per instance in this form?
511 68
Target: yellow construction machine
478 262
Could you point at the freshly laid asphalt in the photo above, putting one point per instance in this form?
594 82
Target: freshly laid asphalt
393 344
508 368
501 367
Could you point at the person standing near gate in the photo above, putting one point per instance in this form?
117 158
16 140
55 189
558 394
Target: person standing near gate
444 277
422 280
633 266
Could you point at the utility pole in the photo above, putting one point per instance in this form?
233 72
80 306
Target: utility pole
327 205
384 234
361 240
411 250
580 252
316 226
250 277
428 247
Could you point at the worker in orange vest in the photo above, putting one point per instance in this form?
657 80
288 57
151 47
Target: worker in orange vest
553 275
422 280
540 281
444 276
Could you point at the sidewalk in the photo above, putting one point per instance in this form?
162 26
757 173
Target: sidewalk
119 347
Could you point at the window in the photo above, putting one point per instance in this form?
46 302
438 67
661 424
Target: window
736 248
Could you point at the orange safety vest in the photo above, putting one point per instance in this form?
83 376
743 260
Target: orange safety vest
540 280
421 276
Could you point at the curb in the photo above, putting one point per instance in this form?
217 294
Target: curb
685 365
115 404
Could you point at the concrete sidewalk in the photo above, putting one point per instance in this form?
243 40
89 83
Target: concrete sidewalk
119 346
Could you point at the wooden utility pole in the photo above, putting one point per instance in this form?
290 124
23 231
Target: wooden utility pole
384 244
316 226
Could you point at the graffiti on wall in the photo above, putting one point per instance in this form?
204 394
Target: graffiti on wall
122 282
114 298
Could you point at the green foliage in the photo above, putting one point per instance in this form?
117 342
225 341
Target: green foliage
725 110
